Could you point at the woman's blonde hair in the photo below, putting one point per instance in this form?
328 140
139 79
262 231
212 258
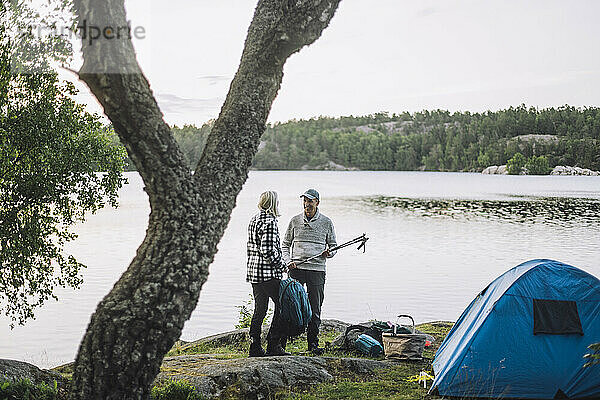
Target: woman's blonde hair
269 202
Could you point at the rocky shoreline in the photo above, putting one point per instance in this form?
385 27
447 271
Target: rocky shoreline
216 375
257 378
329 166
558 170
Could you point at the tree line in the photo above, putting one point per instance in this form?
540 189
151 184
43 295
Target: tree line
436 140
428 140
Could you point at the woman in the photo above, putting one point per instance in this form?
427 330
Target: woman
265 271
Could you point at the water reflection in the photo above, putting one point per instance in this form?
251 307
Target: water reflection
547 210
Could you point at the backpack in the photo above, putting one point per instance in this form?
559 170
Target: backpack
352 333
374 330
368 345
295 308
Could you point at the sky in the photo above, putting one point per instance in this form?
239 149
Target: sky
376 55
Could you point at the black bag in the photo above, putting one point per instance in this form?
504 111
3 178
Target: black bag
379 327
352 333
373 329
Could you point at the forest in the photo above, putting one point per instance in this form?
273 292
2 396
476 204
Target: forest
427 140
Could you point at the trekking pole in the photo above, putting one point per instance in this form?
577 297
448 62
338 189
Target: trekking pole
361 239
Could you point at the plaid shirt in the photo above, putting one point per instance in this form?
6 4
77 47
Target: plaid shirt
264 249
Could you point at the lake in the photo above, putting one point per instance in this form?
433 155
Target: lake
436 240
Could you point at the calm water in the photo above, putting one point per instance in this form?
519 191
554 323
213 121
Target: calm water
436 240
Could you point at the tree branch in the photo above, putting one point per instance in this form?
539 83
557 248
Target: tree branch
279 28
112 73
143 315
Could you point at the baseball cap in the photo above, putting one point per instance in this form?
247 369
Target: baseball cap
311 194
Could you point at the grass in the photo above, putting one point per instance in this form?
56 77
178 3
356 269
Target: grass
175 390
388 383
296 346
398 382
24 389
438 330
220 352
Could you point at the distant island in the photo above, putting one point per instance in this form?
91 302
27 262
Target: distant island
530 139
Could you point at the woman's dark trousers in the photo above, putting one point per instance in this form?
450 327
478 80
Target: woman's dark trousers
262 292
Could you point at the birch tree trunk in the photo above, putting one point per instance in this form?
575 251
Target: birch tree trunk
143 315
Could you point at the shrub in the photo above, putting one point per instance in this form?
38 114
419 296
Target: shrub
537 166
175 390
24 389
246 312
515 164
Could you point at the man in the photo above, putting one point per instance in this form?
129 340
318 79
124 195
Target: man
265 271
308 234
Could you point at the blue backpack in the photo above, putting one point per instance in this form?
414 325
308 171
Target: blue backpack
369 346
295 308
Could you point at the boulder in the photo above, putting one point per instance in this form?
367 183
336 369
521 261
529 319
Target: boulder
495 170
332 166
491 170
214 376
567 170
259 378
221 339
11 370
328 166
558 170
243 335
334 325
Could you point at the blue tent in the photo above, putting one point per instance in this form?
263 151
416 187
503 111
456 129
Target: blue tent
524 336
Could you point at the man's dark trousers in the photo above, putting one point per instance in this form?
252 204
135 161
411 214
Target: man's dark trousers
315 285
262 292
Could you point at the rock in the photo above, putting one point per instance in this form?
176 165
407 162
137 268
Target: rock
11 370
216 376
495 170
329 166
334 325
535 139
566 170
491 170
223 339
258 378
558 170
332 166
241 335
